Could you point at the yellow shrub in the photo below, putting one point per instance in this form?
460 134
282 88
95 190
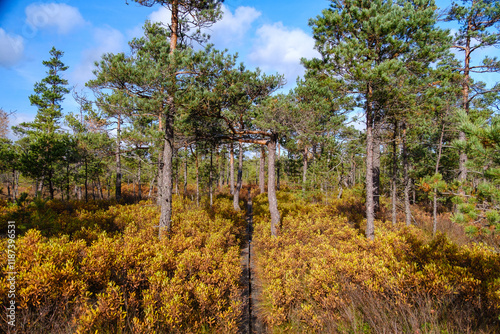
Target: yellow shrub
113 275
320 274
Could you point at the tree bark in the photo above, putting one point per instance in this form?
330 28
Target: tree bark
197 179
51 185
278 174
118 184
108 186
226 173
237 189
185 173
175 166
262 170
86 181
271 186
219 164
370 215
434 199
99 188
16 191
304 169
376 171
167 174
352 173
394 178
406 179
462 177
14 186
231 168
210 180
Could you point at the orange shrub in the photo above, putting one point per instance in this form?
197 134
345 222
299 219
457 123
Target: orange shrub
126 280
321 275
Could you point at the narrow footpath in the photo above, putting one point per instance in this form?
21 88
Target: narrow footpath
249 321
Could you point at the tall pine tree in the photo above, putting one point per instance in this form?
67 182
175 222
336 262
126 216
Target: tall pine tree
368 45
44 145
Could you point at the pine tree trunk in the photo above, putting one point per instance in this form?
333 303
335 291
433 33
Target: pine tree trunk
278 174
118 182
185 173
175 166
370 215
99 188
167 173
352 174
271 186
226 173
434 199
231 169
218 163
86 181
51 185
210 178
394 192
237 189
15 187
406 179
304 169
108 186
262 170
197 180
376 171
462 177
68 181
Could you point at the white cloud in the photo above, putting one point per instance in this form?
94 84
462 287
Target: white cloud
11 48
280 49
229 30
58 15
233 27
162 15
107 40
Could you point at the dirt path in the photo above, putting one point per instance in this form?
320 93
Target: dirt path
249 321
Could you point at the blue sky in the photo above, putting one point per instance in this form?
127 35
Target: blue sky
272 35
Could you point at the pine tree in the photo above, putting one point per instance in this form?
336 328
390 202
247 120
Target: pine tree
44 145
368 45
478 20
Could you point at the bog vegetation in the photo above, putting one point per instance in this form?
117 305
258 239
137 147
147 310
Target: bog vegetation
129 211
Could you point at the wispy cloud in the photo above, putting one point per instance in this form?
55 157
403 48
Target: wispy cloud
53 15
11 49
278 48
233 27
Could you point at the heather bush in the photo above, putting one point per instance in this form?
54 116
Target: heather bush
113 275
322 275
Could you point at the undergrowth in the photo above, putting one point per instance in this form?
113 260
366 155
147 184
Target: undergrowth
100 268
321 275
